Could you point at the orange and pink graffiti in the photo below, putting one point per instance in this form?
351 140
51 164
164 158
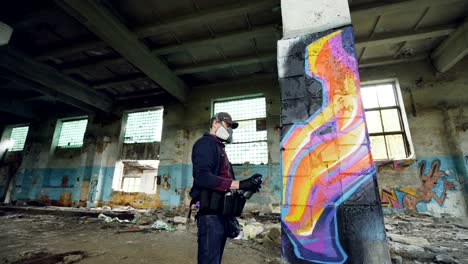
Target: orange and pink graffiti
326 158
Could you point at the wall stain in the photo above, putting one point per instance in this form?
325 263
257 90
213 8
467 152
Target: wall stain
136 200
64 181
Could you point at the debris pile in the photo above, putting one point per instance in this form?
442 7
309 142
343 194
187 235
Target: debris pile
421 238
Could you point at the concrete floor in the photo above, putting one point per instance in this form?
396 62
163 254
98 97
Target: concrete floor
32 239
35 238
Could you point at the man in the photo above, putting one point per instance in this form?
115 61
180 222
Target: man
213 174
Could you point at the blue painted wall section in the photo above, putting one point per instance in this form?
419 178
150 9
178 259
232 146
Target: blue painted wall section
48 184
441 189
180 179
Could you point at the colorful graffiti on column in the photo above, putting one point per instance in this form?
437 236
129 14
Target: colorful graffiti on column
326 158
434 187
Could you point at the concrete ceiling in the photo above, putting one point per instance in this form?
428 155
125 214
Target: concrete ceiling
99 55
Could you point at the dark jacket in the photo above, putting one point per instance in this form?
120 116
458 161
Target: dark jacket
206 157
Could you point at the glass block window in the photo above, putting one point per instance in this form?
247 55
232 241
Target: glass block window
72 133
385 122
250 138
145 126
18 138
131 184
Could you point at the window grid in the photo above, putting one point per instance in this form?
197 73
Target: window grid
145 126
72 133
18 137
385 122
250 139
131 184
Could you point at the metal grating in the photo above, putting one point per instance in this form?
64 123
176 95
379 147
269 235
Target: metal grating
145 126
72 133
250 138
18 137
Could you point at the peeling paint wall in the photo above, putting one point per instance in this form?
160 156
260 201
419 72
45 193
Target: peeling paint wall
438 121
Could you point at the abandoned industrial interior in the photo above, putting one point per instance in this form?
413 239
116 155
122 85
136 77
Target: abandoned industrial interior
355 112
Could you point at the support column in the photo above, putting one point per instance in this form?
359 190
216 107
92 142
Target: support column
331 211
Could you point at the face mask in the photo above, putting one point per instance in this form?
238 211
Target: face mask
224 134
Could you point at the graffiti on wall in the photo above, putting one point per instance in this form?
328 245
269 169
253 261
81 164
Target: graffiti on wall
434 187
326 158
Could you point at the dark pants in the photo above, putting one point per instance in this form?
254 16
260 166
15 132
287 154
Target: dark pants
211 239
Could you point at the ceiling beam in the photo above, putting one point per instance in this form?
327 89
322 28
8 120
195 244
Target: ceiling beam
205 42
220 39
94 64
213 14
251 80
71 49
381 8
226 63
58 83
389 60
100 21
17 108
107 84
425 33
143 31
452 50
388 38
53 93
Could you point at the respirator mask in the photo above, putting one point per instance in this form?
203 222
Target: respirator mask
224 134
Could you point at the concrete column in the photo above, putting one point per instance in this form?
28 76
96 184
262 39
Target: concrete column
330 211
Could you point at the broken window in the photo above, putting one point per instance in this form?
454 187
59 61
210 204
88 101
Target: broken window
250 138
144 126
383 108
72 133
18 138
139 175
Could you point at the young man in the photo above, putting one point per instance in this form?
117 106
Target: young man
212 173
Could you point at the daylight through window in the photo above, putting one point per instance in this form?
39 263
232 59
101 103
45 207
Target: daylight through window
18 138
144 126
250 138
72 133
385 122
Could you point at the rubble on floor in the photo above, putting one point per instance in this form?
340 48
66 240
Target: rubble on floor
126 235
420 238
151 236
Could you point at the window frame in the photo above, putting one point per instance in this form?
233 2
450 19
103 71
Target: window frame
239 98
125 119
6 135
58 130
405 131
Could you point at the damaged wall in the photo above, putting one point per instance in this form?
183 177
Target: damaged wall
436 120
434 179
179 137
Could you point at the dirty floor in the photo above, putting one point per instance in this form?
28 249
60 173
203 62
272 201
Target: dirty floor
38 238
34 239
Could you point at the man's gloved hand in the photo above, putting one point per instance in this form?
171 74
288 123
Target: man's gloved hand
253 183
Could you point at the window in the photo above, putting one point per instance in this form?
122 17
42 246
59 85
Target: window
72 133
250 138
139 175
385 121
144 126
18 138
131 184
